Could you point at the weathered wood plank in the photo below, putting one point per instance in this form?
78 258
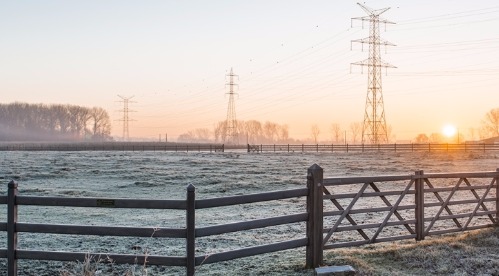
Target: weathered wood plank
3 226
104 257
395 238
345 244
370 225
459 175
365 179
250 251
12 213
190 221
155 232
251 198
459 202
250 224
465 215
464 188
101 202
3 199
369 194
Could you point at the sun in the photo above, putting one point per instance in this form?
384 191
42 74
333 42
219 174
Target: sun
449 130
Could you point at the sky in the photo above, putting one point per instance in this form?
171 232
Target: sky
293 61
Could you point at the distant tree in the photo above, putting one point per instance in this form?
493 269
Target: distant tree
37 122
270 131
219 131
421 138
315 133
472 132
335 132
435 138
490 124
254 130
202 135
356 129
100 124
283 134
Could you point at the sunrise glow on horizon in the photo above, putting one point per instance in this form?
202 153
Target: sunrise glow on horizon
292 60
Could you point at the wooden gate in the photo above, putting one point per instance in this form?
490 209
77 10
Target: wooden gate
365 210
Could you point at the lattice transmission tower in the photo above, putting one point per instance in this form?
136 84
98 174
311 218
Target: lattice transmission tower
230 130
374 128
126 119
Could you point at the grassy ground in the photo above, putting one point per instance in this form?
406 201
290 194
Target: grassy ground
470 253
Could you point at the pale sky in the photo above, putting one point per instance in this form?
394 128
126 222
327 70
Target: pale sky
292 57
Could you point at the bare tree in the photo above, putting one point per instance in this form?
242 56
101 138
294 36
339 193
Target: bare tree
435 138
219 131
421 138
270 131
490 124
335 132
202 135
315 133
283 133
100 124
472 132
355 128
254 129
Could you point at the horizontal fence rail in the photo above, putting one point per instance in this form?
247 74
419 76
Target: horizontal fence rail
209 147
464 147
115 146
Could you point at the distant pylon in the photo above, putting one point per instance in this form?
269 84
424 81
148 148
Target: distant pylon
230 130
374 128
126 119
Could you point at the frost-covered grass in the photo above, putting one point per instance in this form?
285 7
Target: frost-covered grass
165 175
470 253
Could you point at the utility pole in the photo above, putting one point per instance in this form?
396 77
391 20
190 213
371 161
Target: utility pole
374 128
125 119
230 131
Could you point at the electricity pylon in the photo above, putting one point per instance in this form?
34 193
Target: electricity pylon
374 128
125 119
230 130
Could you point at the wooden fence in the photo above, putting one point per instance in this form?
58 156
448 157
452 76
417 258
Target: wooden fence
190 232
412 204
113 146
464 147
391 208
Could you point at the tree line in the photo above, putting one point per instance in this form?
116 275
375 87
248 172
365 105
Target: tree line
56 122
251 131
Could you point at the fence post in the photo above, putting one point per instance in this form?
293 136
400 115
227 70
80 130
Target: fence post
314 252
497 198
11 229
191 230
419 200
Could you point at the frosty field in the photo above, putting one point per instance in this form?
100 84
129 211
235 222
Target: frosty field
165 175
